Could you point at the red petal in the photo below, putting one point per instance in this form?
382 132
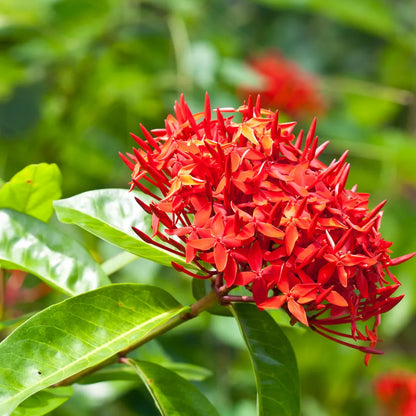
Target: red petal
202 216
244 278
269 230
217 225
255 257
342 275
401 259
362 284
190 253
273 303
155 224
220 256
336 299
326 272
202 243
291 237
297 311
230 271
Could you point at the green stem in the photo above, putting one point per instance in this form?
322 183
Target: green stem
180 42
370 89
185 314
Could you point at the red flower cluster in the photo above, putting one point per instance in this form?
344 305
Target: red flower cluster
397 393
286 86
252 206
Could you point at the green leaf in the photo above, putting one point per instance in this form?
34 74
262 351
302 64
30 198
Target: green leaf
44 401
188 371
32 190
173 395
111 373
76 334
31 245
274 362
110 214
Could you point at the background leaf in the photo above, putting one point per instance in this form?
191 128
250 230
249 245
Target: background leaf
32 190
110 214
44 401
31 245
369 15
115 372
274 362
76 334
173 395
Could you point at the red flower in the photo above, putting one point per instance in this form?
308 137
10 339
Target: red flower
397 393
284 85
252 206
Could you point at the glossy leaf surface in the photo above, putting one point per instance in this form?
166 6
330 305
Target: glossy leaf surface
173 395
31 245
273 359
110 214
32 190
76 334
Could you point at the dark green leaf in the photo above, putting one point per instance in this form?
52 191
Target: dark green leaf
76 334
188 371
274 362
110 214
172 394
44 401
32 190
31 245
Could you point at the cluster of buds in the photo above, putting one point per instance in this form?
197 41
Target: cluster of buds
250 205
286 86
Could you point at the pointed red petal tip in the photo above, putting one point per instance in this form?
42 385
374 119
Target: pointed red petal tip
127 161
401 259
207 109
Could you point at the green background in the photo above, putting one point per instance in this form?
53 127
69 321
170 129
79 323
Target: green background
77 76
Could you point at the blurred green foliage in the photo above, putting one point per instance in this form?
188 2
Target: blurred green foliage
77 76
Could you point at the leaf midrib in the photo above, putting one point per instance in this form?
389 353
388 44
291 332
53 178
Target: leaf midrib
84 357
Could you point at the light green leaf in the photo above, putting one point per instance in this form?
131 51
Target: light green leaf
31 245
32 190
110 214
173 395
274 362
44 401
76 334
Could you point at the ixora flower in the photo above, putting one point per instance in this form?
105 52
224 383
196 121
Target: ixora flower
251 205
396 392
285 85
